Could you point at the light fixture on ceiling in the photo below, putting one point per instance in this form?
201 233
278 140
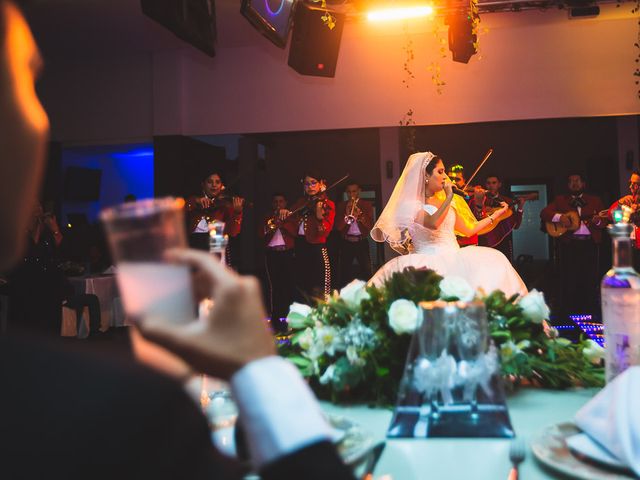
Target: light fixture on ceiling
399 13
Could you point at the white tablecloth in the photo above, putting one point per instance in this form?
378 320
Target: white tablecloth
468 459
106 289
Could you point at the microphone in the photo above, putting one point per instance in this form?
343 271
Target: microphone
460 192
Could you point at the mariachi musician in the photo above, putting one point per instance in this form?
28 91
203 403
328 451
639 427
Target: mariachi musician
312 218
213 204
354 220
279 239
578 247
633 202
501 237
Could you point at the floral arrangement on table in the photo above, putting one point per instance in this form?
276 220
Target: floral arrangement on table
354 345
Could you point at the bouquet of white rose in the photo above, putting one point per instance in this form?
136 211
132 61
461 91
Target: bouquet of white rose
354 345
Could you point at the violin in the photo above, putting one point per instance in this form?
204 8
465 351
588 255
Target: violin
306 208
275 222
225 199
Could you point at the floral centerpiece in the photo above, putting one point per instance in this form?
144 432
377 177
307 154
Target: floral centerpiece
354 345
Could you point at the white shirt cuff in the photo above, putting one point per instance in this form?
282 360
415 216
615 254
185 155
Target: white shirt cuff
556 218
279 412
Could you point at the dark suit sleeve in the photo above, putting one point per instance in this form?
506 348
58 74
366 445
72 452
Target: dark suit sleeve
549 211
366 219
319 461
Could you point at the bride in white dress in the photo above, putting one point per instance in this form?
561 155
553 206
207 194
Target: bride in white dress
424 212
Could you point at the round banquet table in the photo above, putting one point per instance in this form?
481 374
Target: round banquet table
530 410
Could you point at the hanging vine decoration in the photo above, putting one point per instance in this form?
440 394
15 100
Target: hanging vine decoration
475 24
409 129
328 19
435 68
407 66
407 121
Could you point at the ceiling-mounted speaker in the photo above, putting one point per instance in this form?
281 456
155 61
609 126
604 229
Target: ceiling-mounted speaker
462 39
194 21
314 46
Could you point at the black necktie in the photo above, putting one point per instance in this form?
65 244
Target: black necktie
577 201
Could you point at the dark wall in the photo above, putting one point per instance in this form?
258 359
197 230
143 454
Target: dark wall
181 163
51 190
539 150
333 153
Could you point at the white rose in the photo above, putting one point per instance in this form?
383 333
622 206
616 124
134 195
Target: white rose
458 287
594 352
298 316
354 293
534 307
403 316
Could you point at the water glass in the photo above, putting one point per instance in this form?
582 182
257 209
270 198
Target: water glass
139 235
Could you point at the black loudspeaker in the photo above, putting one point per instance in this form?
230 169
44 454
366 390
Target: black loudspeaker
314 46
194 21
462 40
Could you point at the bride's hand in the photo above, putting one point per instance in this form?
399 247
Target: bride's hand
448 188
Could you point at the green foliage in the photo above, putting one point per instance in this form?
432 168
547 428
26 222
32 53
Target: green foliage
370 371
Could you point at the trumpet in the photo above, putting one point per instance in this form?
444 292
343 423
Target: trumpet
272 224
350 218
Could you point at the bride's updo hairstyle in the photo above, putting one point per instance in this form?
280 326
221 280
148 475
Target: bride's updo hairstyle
432 164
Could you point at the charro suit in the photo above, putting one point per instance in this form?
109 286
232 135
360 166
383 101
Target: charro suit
578 252
313 270
354 244
279 265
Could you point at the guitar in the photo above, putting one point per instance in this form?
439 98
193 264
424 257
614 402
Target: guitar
505 224
555 229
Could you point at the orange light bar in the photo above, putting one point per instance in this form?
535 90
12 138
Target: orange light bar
399 13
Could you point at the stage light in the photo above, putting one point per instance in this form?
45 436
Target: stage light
399 13
462 39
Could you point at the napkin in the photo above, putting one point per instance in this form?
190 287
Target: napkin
112 270
611 419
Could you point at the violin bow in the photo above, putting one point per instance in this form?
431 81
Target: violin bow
337 182
486 157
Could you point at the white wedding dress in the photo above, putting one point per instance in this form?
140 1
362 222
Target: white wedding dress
437 249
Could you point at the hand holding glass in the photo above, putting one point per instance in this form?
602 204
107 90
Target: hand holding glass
139 234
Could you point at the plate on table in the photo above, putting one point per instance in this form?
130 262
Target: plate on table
551 449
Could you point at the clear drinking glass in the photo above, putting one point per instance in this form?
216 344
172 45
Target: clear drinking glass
471 339
434 363
139 234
